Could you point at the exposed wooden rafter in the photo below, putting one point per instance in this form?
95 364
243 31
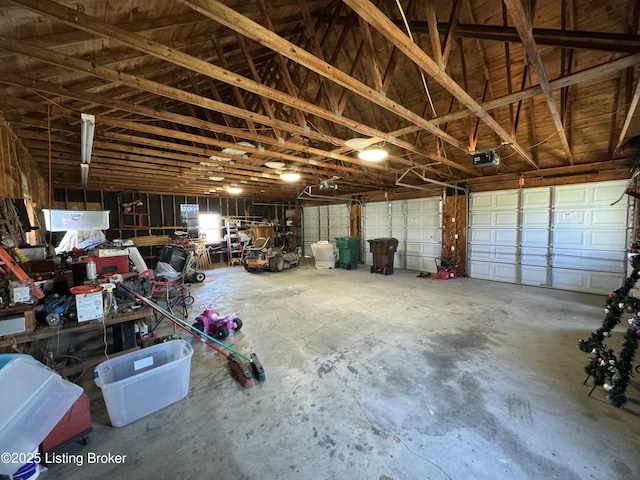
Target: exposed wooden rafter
525 30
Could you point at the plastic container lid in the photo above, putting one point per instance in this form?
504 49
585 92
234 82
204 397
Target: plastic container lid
85 289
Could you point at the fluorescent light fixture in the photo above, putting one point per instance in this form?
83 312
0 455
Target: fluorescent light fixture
234 190
216 179
290 176
84 173
374 154
86 137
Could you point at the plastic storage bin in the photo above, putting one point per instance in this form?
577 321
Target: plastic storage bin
383 250
348 251
323 254
139 383
33 399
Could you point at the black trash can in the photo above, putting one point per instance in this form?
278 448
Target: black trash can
383 250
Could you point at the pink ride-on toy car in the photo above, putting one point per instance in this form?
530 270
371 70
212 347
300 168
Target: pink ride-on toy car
212 323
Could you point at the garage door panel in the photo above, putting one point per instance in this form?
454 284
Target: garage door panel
423 235
585 281
536 198
599 261
505 199
535 218
493 253
535 237
576 239
534 256
493 271
479 220
532 275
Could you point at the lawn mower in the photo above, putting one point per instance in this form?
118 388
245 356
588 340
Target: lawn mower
211 322
263 255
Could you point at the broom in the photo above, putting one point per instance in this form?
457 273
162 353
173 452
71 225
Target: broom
247 374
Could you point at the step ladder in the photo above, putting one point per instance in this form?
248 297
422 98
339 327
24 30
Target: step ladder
235 249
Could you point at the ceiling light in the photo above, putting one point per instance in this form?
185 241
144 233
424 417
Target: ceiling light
290 176
374 154
361 143
86 137
234 190
274 164
216 179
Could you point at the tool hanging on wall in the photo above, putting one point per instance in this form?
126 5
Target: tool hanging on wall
248 374
18 272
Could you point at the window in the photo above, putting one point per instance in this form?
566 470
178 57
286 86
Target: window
210 227
189 213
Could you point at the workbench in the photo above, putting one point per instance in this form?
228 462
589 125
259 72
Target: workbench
122 329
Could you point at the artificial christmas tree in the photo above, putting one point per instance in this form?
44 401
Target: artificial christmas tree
608 371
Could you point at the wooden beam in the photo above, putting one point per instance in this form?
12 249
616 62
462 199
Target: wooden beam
525 30
372 64
575 39
587 75
288 81
155 49
449 37
434 35
381 22
231 19
631 110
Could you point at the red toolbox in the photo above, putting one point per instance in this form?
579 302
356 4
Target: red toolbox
106 266
75 425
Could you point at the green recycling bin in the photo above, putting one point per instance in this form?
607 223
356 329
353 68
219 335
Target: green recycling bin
348 252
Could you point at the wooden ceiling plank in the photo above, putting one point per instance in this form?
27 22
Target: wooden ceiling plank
84 22
77 37
236 92
380 22
288 81
256 32
137 125
265 102
524 27
316 48
583 76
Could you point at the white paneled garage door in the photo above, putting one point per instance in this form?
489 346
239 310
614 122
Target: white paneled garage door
416 224
567 237
324 222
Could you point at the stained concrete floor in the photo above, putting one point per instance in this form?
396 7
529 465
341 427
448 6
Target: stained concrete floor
382 377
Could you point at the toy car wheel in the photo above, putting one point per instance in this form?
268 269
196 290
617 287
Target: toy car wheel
238 324
199 326
222 332
200 277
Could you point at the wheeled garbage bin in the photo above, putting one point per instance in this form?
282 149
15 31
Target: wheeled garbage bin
348 252
383 250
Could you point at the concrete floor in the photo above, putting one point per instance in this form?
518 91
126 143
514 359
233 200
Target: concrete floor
382 377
